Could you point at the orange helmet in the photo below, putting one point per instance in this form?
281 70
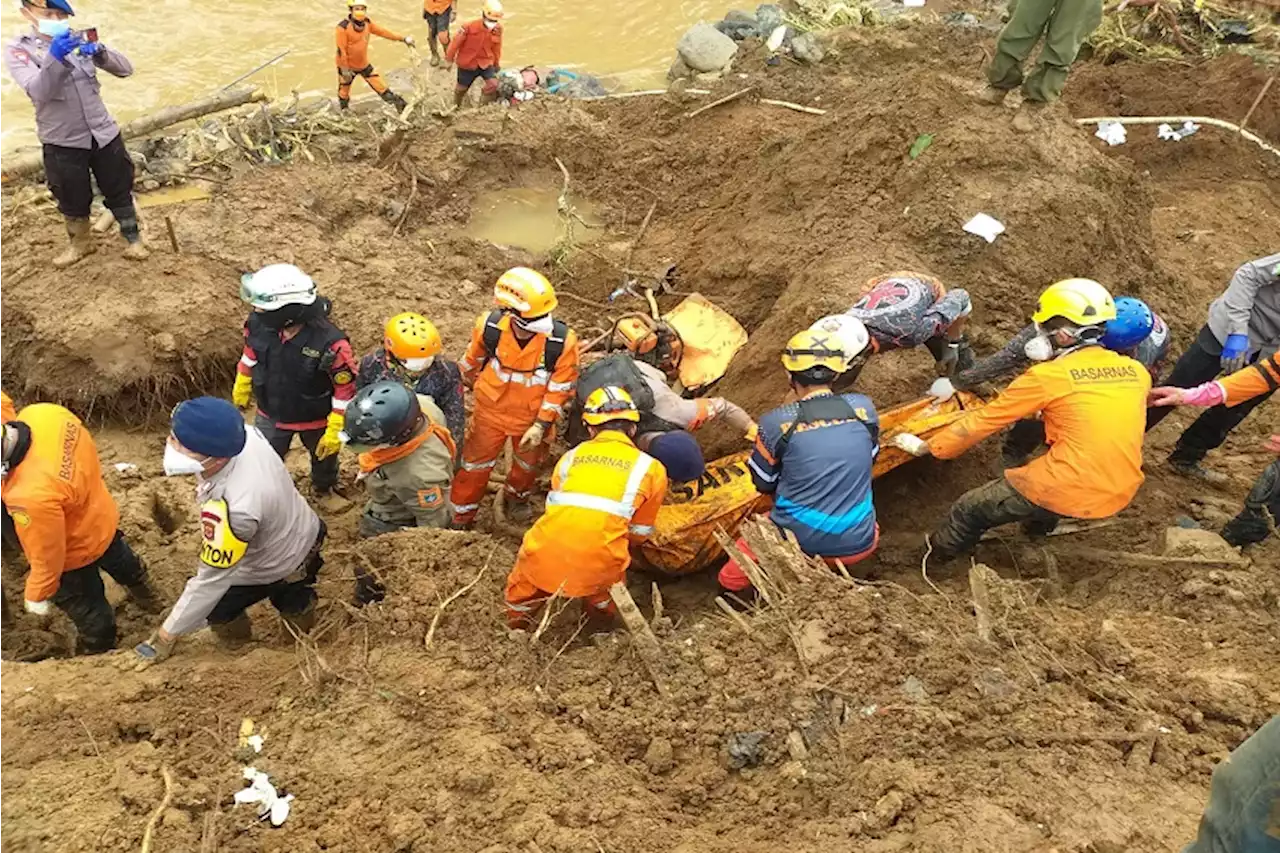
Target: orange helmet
526 292
653 341
411 336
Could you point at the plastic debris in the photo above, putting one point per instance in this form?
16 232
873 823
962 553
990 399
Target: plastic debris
745 749
984 226
1111 132
922 143
271 806
255 741
913 4
776 38
1169 132
124 467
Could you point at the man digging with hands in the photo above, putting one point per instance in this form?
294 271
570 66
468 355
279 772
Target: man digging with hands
260 538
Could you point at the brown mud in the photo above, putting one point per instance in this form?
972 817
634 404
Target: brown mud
1090 725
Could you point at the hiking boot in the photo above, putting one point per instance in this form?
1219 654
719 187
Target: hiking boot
81 246
344 103
1194 470
235 633
302 622
1027 118
395 100
435 60
991 96
136 251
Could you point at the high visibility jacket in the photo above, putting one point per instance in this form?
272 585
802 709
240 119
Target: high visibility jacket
605 494
1260 378
513 385
353 42
476 46
7 411
1094 403
63 514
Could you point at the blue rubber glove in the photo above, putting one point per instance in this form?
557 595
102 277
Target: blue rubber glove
62 45
91 48
1235 353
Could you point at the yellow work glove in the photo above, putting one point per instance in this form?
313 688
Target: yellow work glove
752 432
330 442
532 436
242 391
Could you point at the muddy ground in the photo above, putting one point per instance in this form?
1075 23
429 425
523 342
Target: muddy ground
887 725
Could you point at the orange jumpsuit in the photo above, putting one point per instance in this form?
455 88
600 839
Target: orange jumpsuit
1256 379
605 495
476 46
62 512
1094 405
512 389
353 54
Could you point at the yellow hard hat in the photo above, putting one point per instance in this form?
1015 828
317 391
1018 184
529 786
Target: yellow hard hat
525 291
410 335
493 9
610 403
1081 300
813 348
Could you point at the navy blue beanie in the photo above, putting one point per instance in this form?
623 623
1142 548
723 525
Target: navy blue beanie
210 426
680 454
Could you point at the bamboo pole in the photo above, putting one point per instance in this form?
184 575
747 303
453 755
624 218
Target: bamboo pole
1212 122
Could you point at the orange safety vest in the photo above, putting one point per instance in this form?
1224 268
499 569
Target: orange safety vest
513 384
1259 378
476 46
353 42
1094 404
605 494
63 514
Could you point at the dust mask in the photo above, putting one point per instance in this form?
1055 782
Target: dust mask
179 464
1039 348
417 365
359 16
544 325
53 28
489 25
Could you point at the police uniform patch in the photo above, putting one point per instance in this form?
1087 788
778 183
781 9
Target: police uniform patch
342 377
431 498
20 517
220 548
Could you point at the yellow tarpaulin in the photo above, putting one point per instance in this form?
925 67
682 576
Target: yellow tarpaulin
711 339
684 539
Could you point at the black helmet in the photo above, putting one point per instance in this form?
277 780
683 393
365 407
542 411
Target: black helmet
385 412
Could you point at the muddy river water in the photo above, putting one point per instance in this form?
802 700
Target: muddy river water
186 48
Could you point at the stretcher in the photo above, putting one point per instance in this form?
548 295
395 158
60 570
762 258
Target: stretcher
684 539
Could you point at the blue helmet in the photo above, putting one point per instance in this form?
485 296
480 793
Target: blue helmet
1132 325
58 5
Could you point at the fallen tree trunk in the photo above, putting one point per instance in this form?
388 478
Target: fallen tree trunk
32 162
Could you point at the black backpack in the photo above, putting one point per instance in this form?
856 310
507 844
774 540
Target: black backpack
617 369
550 353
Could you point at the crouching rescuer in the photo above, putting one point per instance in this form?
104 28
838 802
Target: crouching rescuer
815 456
261 540
605 496
1093 402
406 464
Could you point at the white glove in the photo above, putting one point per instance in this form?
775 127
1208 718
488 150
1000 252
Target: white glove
532 436
409 41
912 444
39 608
942 390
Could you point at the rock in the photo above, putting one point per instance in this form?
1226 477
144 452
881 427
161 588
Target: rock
1197 586
737 30
165 343
393 209
704 48
175 818
887 810
964 20
805 47
707 79
1200 544
745 749
913 689
793 771
714 663
1110 648
796 747
812 642
993 683
679 71
740 16
659 757
473 782
769 17
150 184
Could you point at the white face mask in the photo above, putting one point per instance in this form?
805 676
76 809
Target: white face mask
1039 348
488 24
53 28
417 365
541 326
179 464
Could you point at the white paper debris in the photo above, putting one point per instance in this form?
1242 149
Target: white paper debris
986 227
263 794
1111 132
913 4
125 466
1169 132
776 38
255 741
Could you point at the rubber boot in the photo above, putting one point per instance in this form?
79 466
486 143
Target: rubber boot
991 96
459 95
395 100
1193 469
127 217
344 104
304 621
435 54
235 633
81 243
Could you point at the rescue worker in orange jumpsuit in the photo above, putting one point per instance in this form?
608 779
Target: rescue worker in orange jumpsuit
605 496
477 49
439 15
67 524
1252 524
522 366
1093 402
352 34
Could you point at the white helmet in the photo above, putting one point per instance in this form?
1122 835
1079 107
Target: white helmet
277 285
849 332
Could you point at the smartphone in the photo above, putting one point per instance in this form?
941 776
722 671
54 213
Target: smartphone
91 34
